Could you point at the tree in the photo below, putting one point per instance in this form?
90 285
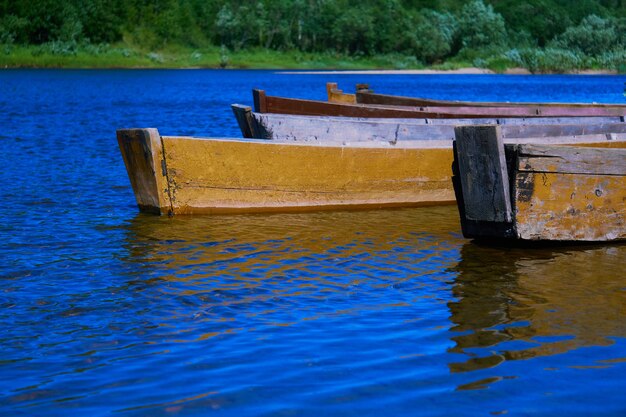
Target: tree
593 36
480 26
434 36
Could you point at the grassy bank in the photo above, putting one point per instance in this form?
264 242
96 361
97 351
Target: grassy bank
120 56
72 55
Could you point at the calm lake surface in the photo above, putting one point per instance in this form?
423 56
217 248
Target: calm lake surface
105 311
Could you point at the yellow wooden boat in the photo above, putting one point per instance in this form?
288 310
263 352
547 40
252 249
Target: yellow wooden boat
185 175
538 192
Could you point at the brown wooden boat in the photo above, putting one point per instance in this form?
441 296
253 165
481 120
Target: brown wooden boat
364 95
538 192
272 104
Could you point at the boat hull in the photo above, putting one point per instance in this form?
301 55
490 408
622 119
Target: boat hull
366 96
272 104
182 175
539 192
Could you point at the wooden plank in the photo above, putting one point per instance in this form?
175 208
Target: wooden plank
221 175
522 111
346 130
483 173
571 140
284 105
571 160
558 120
271 104
369 97
142 151
558 206
243 114
573 129
260 100
350 129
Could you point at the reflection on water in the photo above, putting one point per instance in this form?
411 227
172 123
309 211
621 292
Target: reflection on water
516 303
281 269
314 313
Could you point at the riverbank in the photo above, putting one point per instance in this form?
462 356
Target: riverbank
73 56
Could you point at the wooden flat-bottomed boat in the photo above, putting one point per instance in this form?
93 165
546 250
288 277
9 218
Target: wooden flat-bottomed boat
272 104
364 95
185 175
538 192
349 130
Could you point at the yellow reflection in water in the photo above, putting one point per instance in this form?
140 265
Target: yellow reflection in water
265 267
185 239
556 300
509 303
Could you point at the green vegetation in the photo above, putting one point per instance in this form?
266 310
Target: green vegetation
540 35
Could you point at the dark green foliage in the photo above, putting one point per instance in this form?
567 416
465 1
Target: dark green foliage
541 19
593 36
540 34
434 35
480 26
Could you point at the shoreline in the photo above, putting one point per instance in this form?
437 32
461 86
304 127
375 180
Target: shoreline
288 71
124 56
459 71
463 71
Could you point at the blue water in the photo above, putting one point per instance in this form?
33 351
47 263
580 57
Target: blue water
107 311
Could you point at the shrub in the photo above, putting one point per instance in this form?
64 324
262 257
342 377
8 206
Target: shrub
593 36
62 48
480 26
155 57
615 60
547 60
224 57
434 36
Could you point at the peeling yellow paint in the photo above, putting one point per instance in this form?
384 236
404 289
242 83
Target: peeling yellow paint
571 206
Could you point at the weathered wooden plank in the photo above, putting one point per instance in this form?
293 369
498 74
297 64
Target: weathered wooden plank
142 151
522 111
221 175
320 108
558 206
369 97
483 173
574 129
560 140
559 193
271 104
243 115
260 100
349 129
560 120
570 160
